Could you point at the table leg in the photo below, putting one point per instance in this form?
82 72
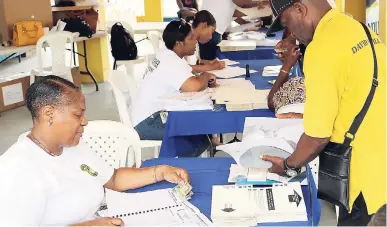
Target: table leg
74 59
87 67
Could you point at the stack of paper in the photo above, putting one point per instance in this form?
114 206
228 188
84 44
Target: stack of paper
271 70
188 101
229 62
235 205
241 99
231 207
237 45
153 208
253 174
230 72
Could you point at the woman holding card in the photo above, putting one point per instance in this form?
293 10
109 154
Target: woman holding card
50 177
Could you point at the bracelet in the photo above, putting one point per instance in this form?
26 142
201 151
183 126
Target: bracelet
154 173
284 71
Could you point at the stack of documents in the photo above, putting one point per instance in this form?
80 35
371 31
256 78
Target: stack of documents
246 206
187 101
271 70
237 45
154 208
253 175
241 99
231 206
230 72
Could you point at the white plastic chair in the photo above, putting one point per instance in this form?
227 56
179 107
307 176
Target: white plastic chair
112 141
154 38
116 81
57 42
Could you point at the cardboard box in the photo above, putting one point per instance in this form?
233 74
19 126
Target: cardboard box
13 89
13 93
12 11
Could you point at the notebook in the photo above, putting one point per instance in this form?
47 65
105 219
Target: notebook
153 208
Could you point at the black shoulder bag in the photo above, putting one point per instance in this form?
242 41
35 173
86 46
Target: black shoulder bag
333 185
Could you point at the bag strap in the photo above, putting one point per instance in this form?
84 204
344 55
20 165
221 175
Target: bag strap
350 134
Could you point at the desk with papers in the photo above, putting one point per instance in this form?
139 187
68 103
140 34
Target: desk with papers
206 172
188 123
263 50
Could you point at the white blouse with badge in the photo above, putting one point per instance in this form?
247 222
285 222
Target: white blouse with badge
39 189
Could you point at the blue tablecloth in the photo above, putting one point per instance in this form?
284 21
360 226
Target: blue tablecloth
187 123
206 172
260 53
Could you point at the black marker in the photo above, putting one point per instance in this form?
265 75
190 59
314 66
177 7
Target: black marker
247 71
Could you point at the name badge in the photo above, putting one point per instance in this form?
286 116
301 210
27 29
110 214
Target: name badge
164 116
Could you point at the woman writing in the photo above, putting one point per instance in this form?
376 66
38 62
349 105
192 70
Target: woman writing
43 182
203 27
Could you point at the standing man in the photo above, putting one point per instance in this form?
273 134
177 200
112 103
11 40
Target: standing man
223 11
338 67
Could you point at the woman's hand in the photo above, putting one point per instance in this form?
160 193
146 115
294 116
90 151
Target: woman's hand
283 47
172 174
102 222
217 65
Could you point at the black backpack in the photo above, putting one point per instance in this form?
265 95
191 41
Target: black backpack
77 24
123 45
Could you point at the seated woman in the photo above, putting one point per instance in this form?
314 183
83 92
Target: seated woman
203 26
287 96
42 181
187 8
168 74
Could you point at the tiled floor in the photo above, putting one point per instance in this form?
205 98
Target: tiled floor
100 106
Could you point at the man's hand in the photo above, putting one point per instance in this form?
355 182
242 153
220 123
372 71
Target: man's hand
102 222
277 164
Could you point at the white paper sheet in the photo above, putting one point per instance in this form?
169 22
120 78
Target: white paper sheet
229 62
13 94
265 136
230 72
237 45
153 208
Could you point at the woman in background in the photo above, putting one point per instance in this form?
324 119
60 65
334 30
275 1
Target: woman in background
187 8
203 27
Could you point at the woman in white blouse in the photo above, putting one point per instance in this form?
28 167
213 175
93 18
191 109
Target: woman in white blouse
49 176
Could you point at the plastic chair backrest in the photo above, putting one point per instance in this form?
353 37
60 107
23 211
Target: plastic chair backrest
120 82
154 37
314 166
57 42
112 141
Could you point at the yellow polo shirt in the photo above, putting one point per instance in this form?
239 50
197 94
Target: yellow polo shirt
338 74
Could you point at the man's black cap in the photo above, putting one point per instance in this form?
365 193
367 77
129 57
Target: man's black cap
278 7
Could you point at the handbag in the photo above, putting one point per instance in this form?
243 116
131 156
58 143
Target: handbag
335 158
27 33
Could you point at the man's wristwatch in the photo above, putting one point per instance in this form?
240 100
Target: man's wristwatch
291 172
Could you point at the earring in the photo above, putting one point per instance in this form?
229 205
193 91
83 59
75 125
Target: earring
50 122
